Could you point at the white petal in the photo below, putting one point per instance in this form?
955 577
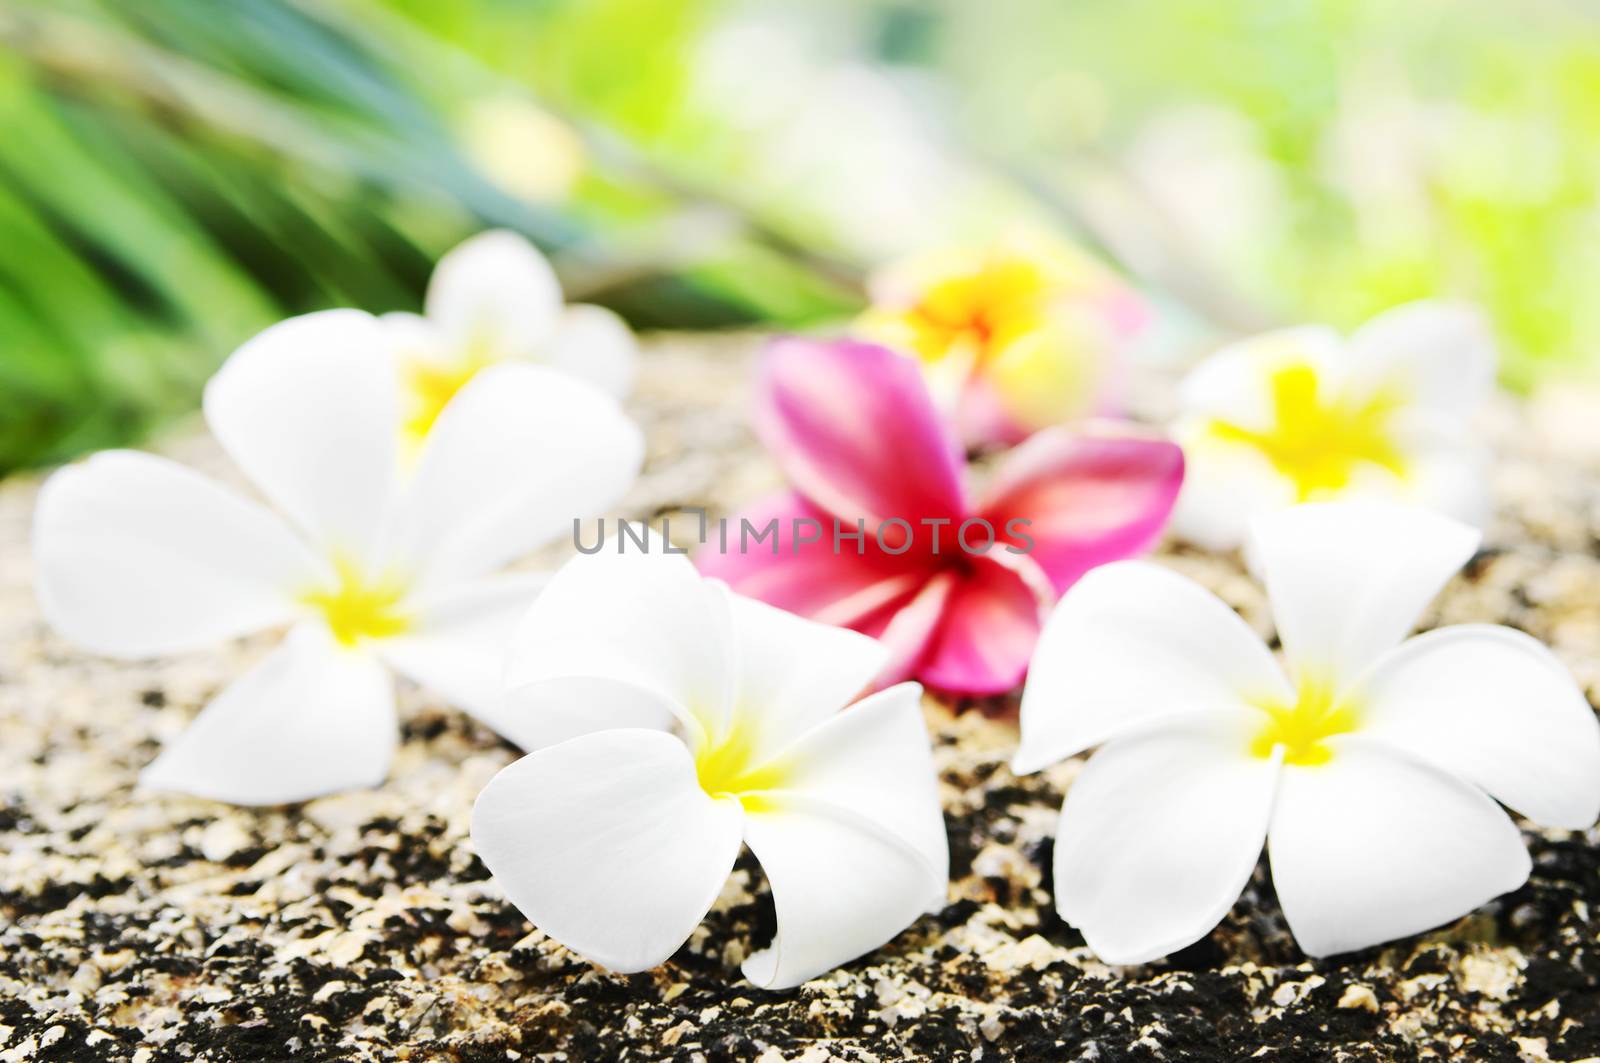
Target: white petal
515 458
554 710
1497 708
309 410
1447 469
1132 643
136 555
1439 354
795 673
309 720
608 844
595 344
1347 580
1235 384
1225 485
873 760
621 639
495 290
841 886
1372 846
859 792
1158 836
413 336
457 646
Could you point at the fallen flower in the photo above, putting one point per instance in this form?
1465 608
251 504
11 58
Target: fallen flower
672 721
856 433
494 298
1301 415
1013 338
374 568
1371 769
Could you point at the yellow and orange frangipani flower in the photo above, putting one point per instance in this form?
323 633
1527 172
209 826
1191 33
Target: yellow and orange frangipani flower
1013 338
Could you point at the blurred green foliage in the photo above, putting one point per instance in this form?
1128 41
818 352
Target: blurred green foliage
1362 152
176 175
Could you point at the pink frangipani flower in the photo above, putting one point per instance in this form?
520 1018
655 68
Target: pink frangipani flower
856 433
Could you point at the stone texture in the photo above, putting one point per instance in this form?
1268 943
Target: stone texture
362 927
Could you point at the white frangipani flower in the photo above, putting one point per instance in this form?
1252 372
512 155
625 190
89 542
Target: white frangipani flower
1370 767
1302 415
381 564
494 298
673 720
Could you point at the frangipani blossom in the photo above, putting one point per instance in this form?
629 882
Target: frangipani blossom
374 564
1013 338
1370 767
673 721
494 298
856 433
1302 415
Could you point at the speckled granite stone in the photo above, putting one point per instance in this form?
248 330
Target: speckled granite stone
362 927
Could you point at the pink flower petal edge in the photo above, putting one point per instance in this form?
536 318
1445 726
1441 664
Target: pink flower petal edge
985 639
1089 497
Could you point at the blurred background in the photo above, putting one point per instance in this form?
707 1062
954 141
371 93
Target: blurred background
175 176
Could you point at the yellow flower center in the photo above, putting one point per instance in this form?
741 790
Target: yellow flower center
1318 441
431 385
1302 729
357 608
1016 317
727 766
977 312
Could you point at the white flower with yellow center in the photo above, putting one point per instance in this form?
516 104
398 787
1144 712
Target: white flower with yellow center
1370 766
492 299
1302 415
381 564
673 721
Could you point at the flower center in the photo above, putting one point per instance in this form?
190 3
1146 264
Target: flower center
357 608
980 311
431 385
1303 728
726 766
1319 441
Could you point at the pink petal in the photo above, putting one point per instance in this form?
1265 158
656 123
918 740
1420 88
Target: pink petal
1090 498
812 579
855 431
991 622
907 625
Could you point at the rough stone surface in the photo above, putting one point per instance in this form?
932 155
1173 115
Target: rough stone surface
362 927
